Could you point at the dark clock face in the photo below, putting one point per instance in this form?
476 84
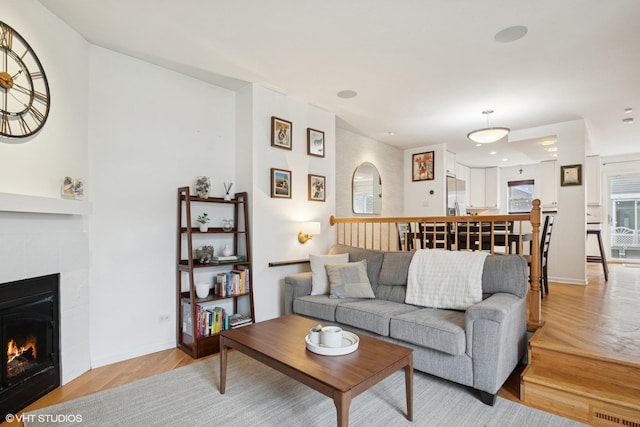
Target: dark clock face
24 91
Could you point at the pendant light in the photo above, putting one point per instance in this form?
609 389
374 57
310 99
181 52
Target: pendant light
489 134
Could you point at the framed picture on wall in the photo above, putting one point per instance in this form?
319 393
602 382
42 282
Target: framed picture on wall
281 133
280 183
570 175
315 142
316 188
422 166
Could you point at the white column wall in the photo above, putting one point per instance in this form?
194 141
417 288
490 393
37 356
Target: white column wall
276 222
150 131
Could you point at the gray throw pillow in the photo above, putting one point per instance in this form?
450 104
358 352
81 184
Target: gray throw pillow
349 280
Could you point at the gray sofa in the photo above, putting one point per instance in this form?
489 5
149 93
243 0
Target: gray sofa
478 347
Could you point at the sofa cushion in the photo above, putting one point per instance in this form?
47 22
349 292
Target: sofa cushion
395 267
505 273
441 330
349 280
371 315
373 257
318 306
319 279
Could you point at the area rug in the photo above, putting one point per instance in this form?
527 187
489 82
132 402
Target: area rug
257 395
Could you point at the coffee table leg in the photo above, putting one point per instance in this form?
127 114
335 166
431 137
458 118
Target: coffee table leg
223 365
408 381
342 402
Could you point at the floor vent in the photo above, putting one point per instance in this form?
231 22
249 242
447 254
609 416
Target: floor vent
614 420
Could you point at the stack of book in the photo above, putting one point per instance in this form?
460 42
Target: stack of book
227 259
237 320
234 282
211 320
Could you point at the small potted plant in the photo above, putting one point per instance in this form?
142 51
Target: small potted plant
203 220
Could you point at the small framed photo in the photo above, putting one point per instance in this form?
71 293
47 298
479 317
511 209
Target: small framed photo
570 175
315 142
422 169
72 188
280 183
281 133
316 188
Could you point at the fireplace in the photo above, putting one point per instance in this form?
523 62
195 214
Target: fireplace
30 338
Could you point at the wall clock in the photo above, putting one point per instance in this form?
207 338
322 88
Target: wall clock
24 90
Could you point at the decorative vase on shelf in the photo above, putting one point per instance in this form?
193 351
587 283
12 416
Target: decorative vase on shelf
226 251
203 186
227 188
204 228
227 225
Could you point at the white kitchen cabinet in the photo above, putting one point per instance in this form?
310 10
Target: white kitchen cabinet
462 172
484 188
450 163
593 181
476 188
492 188
548 189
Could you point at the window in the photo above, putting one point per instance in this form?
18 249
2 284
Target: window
520 196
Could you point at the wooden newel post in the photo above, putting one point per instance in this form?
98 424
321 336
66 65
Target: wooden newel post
535 310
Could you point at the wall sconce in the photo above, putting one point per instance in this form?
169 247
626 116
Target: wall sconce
308 230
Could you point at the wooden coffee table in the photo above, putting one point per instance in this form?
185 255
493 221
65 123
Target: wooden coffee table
279 343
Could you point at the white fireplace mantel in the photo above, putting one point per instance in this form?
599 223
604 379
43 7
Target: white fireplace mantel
39 204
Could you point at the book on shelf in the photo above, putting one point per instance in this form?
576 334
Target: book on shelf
210 319
237 319
221 284
228 258
234 282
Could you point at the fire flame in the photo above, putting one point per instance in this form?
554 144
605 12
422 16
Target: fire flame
14 350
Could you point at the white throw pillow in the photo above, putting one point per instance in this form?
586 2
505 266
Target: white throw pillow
319 278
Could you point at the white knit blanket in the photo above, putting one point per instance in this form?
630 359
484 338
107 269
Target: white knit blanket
445 279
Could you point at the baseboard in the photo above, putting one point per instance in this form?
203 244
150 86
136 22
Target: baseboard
119 357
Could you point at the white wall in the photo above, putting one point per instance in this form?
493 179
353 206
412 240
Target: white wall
150 131
37 165
276 221
351 151
567 252
417 198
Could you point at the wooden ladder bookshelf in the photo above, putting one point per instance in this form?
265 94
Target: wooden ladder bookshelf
192 334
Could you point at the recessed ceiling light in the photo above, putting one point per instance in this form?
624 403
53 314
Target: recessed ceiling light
346 94
552 149
492 153
548 142
554 155
391 133
627 121
505 160
478 145
511 34
628 110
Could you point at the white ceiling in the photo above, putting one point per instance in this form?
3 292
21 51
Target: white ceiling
423 69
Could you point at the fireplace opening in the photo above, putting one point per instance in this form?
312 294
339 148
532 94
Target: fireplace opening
29 335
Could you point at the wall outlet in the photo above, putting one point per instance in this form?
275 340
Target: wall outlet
163 318
425 203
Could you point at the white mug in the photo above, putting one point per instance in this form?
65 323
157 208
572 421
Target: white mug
331 336
314 335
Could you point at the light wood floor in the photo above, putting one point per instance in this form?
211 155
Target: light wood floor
601 318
